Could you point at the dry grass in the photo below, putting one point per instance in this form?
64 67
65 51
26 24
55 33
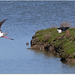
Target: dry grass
65 24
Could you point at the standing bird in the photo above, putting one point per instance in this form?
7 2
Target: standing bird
62 29
1 33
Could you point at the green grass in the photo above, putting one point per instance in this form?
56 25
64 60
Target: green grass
51 32
50 35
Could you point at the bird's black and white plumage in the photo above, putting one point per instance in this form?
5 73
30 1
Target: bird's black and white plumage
1 33
62 29
2 23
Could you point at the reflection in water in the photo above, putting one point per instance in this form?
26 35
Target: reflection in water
23 20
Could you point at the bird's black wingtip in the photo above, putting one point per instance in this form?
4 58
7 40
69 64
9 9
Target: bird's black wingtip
5 19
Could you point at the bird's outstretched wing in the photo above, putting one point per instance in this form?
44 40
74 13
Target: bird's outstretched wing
2 23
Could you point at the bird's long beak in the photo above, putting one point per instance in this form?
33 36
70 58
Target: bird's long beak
7 37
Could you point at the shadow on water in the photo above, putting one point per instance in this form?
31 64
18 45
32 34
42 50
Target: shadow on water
45 53
24 19
48 54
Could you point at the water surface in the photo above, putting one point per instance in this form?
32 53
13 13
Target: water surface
24 19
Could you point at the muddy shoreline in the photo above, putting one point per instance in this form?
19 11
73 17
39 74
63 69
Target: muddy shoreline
52 48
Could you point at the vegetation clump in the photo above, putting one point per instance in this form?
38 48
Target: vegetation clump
65 24
58 43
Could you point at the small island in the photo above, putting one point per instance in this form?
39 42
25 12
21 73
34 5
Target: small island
60 44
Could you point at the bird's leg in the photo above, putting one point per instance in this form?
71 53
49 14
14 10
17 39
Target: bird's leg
7 37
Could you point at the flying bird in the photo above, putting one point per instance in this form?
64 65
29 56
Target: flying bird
4 35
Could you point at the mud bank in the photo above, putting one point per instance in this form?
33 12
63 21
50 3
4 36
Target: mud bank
58 44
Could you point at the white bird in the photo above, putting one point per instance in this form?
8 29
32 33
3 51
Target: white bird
1 33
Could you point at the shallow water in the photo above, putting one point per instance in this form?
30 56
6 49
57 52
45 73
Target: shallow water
24 19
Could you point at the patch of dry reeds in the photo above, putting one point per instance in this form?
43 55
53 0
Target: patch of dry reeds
65 24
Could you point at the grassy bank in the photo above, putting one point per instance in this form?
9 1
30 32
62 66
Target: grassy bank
50 36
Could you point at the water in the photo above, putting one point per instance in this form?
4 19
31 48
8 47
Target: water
24 18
